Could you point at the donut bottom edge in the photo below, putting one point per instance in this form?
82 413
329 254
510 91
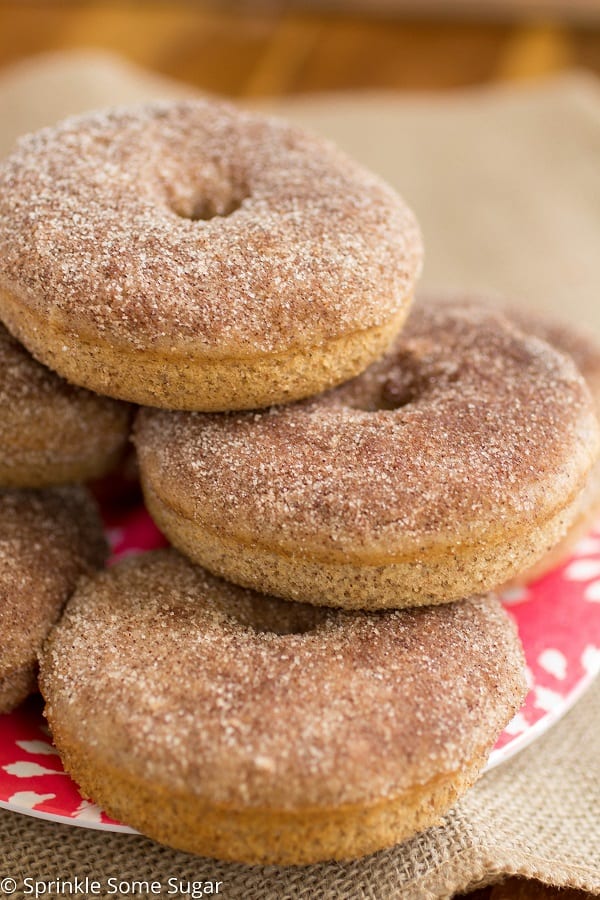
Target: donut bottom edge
180 380
32 471
415 581
263 836
588 511
16 686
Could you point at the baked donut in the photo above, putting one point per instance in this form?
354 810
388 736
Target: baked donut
585 352
238 726
192 256
447 467
50 431
48 539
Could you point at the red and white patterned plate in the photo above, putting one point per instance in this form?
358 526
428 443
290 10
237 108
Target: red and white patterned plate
558 619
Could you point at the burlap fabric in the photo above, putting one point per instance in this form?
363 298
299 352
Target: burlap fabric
507 186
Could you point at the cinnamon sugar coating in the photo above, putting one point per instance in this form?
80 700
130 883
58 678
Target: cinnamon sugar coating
225 698
582 347
585 353
48 539
455 459
195 229
50 431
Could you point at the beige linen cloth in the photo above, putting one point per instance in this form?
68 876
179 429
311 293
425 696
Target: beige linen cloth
506 183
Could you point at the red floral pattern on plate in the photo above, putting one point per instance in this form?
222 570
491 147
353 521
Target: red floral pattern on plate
558 619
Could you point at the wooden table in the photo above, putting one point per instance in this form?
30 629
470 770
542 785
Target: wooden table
276 53
252 55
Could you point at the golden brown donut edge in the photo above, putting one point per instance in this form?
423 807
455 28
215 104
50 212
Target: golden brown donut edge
585 352
51 539
52 432
16 685
187 381
262 836
439 573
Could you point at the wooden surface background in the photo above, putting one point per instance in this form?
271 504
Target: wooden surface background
262 53
274 53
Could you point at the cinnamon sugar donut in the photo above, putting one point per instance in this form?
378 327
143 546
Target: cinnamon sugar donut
50 431
585 352
243 727
192 256
48 539
446 468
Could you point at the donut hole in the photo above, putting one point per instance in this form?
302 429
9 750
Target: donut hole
201 206
405 380
400 389
398 382
268 615
415 374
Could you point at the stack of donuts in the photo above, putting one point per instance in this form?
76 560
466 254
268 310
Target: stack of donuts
318 667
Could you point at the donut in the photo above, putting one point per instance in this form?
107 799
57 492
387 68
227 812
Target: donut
246 728
50 431
48 539
585 352
448 466
188 255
